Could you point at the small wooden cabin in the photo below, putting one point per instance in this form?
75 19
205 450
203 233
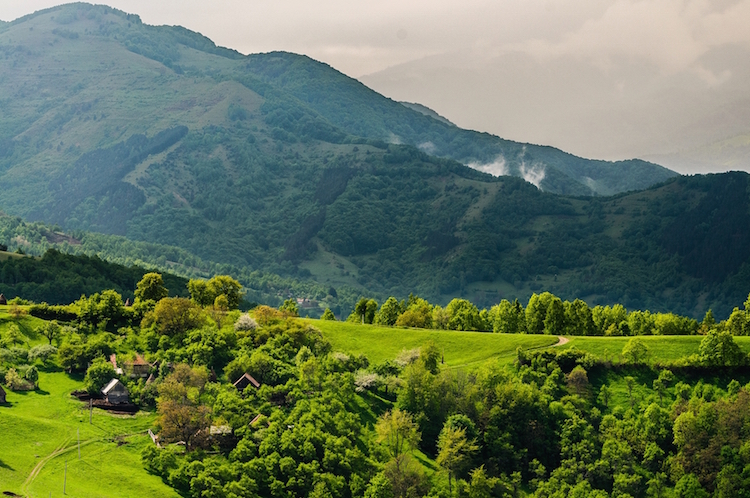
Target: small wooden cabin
246 380
2 395
115 392
138 367
3 300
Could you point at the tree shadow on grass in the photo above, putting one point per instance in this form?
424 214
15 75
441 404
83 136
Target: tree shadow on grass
4 465
39 391
424 461
50 368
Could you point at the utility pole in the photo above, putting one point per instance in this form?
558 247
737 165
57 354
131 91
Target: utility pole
65 476
91 409
79 443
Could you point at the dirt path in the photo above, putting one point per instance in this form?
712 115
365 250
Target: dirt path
560 341
64 447
39 466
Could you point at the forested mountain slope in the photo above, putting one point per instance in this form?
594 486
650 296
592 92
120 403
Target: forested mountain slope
58 278
156 134
353 107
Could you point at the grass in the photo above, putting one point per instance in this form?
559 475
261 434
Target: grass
9 255
40 433
662 349
27 324
461 349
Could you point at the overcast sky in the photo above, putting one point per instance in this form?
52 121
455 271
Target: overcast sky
360 37
364 36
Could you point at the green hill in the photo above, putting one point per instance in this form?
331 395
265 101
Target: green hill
58 278
208 161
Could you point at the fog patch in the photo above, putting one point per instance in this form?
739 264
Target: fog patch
496 168
393 139
534 174
589 182
428 147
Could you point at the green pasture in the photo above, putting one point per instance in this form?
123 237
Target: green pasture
461 349
27 324
40 432
662 348
380 343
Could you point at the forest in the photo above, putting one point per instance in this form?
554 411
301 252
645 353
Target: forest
325 422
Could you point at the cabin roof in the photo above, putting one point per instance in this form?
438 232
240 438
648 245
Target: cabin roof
112 385
245 380
139 360
220 430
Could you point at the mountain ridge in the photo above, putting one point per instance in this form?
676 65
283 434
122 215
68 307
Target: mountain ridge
272 162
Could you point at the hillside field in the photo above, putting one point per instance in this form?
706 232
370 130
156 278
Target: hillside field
462 349
662 349
40 431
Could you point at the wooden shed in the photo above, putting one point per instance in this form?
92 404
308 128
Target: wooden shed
2 395
2 299
246 380
115 392
138 367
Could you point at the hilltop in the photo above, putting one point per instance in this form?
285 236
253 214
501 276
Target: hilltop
209 161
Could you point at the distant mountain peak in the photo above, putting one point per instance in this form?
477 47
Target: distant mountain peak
427 112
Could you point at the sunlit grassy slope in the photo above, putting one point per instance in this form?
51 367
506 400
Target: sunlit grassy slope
460 348
473 348
662 349
40 433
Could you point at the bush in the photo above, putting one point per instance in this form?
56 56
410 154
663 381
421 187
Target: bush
47 312
98 375
245 322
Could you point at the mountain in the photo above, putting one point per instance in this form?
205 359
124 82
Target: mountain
427 112
277 169
358 110
94 76
613 108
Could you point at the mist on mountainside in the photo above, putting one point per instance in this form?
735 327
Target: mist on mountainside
690 120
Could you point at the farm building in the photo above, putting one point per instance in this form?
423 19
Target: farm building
246 380
138 367
115 392
2 299
2 395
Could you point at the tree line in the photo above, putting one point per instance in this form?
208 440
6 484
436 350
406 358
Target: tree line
544 313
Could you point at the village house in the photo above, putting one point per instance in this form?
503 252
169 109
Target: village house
246 380
138 367
115 392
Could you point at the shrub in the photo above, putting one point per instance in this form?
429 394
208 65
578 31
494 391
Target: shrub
245 322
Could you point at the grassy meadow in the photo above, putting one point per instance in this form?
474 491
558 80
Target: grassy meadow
40 433
461 349
662 349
